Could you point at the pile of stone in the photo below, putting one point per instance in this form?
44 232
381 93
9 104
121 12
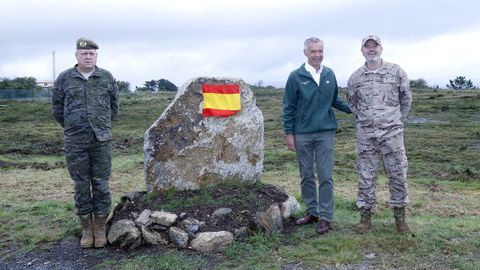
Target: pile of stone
179 230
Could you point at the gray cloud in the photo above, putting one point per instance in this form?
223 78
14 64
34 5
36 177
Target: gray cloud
255 40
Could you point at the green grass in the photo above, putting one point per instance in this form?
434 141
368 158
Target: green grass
260 252
32 224
36 205
169 260
204 196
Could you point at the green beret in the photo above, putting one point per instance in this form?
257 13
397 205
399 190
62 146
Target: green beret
86 44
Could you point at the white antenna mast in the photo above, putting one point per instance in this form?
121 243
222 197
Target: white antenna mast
53 62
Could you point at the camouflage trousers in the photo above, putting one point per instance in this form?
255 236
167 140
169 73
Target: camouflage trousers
370 150
90 165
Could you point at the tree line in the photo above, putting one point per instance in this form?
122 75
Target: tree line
30 83
19 83
157 85
459 83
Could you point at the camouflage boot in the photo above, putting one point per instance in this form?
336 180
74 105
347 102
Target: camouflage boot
365 222
99 230
87 231
402 226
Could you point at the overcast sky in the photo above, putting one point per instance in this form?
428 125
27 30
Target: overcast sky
249 39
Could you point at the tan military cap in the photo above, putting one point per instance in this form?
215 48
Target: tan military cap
87 44
371 37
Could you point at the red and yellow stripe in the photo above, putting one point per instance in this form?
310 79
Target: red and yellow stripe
220 100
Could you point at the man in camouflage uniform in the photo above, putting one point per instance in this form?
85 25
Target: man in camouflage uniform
380 98
84 102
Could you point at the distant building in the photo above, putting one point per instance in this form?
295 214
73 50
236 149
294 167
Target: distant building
45 83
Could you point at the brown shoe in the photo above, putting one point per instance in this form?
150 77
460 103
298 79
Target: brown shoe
365 221
307 219
99 231
87 231
402 226
323 227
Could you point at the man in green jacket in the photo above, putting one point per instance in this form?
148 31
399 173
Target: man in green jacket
309 124
84 103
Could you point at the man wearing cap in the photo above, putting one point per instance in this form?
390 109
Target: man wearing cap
310 95
380 98
84 102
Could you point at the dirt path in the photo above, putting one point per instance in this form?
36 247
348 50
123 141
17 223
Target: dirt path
67 255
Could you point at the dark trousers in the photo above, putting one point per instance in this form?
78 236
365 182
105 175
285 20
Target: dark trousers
316 150
90 165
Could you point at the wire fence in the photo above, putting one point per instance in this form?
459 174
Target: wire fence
45 94
26 94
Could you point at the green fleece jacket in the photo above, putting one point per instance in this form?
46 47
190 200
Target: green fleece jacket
307 107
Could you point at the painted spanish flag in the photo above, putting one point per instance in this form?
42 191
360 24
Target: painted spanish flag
220 100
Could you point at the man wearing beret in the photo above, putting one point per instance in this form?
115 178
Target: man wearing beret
85 101
380 98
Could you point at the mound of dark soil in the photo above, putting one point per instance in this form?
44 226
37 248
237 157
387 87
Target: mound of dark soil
244 201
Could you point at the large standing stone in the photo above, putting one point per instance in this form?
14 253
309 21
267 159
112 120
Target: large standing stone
185 151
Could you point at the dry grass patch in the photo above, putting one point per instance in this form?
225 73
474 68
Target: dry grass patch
30 185
443 201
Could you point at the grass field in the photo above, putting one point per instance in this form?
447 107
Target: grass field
442 138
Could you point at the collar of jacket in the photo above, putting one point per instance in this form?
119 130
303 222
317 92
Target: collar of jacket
76 73
303 72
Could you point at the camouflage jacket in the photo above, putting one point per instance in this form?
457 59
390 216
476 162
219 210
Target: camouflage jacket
85 108
379 99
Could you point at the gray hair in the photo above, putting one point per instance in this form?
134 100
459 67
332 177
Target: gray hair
310 41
